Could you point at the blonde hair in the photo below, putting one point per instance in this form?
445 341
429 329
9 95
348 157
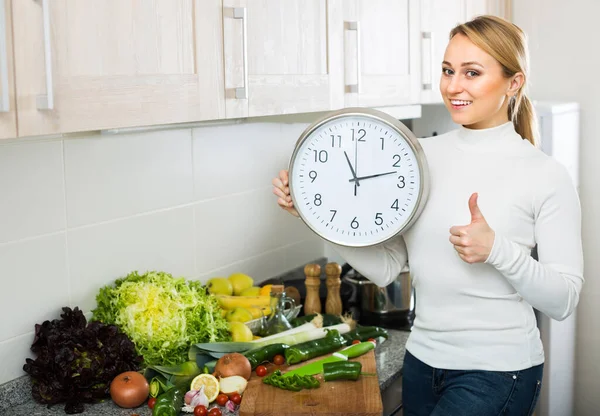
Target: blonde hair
506 43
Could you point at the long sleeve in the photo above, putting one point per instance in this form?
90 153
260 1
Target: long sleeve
553 283
380 264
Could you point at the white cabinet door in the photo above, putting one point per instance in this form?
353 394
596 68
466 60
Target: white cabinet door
276 56
438 17
8 117
381 56
97 64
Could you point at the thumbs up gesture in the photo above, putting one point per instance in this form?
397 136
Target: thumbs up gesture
473 242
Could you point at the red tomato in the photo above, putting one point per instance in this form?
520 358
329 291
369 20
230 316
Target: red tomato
200 410
372 340
214 412
356 341
261 371
279 359
222 399
151 402
236 398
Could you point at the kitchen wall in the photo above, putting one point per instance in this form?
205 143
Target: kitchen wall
78 212
564 67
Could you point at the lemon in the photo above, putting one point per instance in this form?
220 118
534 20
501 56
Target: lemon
210 383
240 332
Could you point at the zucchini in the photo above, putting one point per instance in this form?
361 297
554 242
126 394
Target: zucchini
363 333
266 353
311 349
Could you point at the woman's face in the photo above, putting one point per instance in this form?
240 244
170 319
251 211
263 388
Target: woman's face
473 86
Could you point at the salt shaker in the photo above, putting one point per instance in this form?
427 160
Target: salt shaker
333 303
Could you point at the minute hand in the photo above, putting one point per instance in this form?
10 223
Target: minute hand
360 178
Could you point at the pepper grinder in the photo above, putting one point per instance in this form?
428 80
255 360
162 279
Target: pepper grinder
333 303
312 303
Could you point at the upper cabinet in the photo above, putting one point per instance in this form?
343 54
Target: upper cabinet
381 60
276 56
89 65
82 65
8 117
438 17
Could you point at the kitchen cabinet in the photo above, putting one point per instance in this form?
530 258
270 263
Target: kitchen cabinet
276 56
438 17
381 59
8 117
90 65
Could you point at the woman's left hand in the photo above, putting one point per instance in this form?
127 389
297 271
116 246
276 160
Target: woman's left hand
473 242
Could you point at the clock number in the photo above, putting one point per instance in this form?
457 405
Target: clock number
397 161
312 175
395 205
317 200
362 133
333 216
339 138
321 156
378 219
382 142
401 179
354 224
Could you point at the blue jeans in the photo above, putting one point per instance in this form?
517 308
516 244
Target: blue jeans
428 391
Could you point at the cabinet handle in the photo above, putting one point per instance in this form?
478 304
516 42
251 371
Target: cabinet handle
46 102
427 85
356 87
4 100
241 93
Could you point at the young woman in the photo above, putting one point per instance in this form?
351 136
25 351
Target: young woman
475 348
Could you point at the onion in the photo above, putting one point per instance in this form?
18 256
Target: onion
233 364
129 389
232 384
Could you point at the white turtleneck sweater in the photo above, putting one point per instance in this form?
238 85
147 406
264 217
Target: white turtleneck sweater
480 316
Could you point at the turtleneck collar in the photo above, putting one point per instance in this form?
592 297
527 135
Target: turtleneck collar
499 138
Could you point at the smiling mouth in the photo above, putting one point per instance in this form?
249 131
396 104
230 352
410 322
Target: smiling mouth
460 103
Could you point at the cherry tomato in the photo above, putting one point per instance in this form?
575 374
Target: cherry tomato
214 412
222 399
279 359
200 410
261 371
151 402
236 398
356 341
372 340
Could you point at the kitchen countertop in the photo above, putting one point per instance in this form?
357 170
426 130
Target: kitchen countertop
389 357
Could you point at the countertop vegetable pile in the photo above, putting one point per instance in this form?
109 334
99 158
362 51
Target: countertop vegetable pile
162 315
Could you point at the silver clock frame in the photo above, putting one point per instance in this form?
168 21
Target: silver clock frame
394 124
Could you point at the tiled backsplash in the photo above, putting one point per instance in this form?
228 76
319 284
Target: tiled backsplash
77 213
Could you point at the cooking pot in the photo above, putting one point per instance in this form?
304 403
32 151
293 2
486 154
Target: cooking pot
396 298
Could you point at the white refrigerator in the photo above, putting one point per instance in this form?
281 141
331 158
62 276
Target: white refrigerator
559 132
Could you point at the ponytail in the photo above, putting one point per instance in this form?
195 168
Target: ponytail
522 114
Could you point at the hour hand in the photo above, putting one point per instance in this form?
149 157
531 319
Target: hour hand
370 176
354 178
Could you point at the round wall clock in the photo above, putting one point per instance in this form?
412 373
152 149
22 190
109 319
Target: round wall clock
358 177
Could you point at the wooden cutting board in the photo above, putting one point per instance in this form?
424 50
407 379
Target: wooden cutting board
341 397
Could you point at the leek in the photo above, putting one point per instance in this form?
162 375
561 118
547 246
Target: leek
302 333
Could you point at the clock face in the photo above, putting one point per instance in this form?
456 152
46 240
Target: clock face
358 177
